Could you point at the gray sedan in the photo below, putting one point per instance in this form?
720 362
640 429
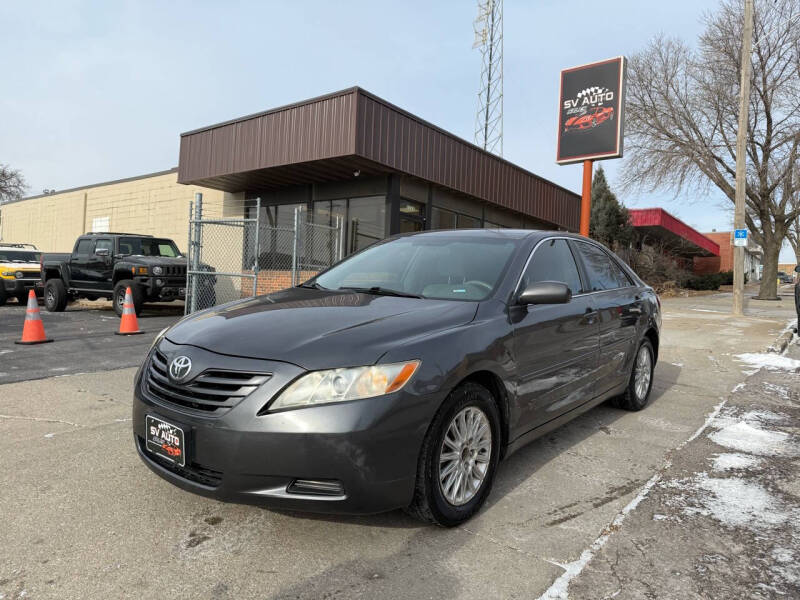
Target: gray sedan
398 378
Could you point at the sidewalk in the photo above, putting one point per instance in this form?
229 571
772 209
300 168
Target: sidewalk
722 518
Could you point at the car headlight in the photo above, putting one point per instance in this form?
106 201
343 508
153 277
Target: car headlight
9 274
158 271
339 385
159 337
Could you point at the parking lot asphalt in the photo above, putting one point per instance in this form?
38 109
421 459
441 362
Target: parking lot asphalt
83 340
83 518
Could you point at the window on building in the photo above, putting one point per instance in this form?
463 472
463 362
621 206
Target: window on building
490 225
467 222
366 221
553 261
442 218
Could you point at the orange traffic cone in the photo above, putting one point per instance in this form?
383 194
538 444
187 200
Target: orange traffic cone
128 325
33 330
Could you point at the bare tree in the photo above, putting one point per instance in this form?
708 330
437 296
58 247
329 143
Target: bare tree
682 111
12 184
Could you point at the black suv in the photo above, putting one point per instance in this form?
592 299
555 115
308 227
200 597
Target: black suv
103 265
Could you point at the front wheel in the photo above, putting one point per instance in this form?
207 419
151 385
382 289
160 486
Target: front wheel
55 295
119 296
459 458
640 384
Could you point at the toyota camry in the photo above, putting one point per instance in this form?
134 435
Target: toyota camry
398 378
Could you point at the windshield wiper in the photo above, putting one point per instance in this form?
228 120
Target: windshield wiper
381 291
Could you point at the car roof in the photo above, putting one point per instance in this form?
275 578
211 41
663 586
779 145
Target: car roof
512 234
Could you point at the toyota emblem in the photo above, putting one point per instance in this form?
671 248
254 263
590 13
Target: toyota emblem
179 367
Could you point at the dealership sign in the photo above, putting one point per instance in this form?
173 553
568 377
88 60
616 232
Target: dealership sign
591 111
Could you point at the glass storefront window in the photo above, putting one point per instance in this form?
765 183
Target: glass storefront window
466 222
366 221
442 219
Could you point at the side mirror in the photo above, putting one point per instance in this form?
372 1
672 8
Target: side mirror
102 252
545 292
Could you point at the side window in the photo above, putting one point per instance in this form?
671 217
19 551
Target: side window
553 261
84 247
103 244
603 272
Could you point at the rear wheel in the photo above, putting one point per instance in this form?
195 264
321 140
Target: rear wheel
119 296
641 382
55 295
459 458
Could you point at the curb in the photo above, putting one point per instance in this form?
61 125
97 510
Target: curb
779 345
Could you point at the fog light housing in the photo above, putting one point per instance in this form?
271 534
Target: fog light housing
316 487
159 282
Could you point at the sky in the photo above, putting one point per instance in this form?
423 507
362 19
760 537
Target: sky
96 91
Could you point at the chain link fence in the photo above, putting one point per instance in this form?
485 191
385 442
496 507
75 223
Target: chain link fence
234 258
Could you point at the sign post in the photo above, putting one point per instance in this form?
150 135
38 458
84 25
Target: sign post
591 115
586 197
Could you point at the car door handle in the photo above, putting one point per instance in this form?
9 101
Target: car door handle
589 317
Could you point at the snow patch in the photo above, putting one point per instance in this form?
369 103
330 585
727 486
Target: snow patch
745 437
734 460
738 503
737 387
772 362
776 390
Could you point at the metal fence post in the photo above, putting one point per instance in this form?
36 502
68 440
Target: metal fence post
256 265
198 216
294 245
189 257
342 240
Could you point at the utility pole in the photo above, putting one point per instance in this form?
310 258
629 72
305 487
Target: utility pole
741 157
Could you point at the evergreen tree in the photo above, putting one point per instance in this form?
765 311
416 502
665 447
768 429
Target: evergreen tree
609 222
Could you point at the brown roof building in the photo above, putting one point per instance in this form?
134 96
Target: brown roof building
351 154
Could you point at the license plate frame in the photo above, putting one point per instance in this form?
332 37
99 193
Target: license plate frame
165 439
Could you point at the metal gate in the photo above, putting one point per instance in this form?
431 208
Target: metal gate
233 258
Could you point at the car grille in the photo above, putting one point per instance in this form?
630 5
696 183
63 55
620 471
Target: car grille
175 271
213 391
193 472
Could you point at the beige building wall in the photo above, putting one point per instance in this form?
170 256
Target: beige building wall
154 204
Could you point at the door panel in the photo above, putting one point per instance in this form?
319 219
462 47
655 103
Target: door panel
79 261
556 348
99 269
619 308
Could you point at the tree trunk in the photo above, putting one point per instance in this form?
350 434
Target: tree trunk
768 290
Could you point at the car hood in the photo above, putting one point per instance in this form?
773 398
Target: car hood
168 261
318 329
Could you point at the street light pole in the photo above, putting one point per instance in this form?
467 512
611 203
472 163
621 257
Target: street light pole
741 156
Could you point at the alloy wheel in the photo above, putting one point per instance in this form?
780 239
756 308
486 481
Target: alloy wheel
643 374
464 455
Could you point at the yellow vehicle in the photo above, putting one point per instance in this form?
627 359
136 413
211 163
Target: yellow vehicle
19 272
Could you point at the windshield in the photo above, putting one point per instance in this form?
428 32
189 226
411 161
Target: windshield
445 267
148 247
19 256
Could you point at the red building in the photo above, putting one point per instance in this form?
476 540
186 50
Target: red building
724 262
656 227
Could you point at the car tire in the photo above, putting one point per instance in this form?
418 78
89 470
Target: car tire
430 503
119 296
640 383
55 295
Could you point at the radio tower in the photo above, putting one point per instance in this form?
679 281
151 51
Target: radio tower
489 39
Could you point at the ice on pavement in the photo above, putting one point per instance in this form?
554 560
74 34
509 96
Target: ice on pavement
773 362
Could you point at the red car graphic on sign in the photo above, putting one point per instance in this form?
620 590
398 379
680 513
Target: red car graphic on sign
593 118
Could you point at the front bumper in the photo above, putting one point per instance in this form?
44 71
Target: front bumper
15 287
371 446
